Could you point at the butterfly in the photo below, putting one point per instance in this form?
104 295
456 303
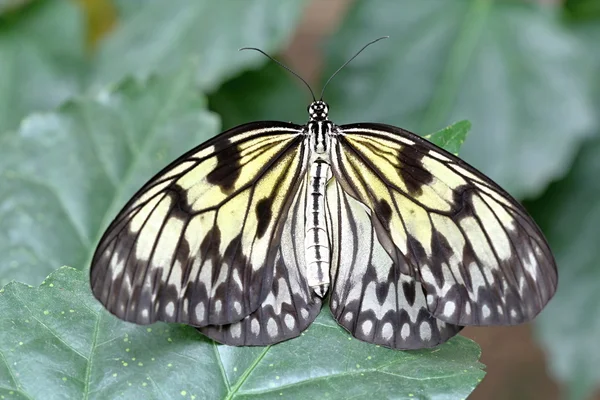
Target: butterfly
247 235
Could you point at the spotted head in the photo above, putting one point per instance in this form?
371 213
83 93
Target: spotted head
317 110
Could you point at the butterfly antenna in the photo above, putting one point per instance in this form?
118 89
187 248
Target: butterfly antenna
348 62
283 66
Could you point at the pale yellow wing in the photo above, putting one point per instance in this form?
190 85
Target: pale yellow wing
480 257
197 244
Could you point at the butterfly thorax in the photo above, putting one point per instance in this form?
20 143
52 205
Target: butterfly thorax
316 240
319 127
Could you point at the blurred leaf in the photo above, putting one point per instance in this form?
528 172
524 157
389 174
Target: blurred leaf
101 16
42 59
160 36
64 175
569 328
11 5
584 10
57 339
510 68
271 93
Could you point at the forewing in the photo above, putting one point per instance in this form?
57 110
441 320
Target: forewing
370 297
291 306
481 259
197 244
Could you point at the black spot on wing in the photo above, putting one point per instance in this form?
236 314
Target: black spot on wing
409 292
384 212
227 170
180 208
263 215
441 252
412 172
209 249
417 254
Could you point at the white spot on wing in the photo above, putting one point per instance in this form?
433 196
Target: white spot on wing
348 316
199 311
272 328
485 310
430 299
366 327
387 331
405 331
255 327
290 322
425 330
237 306
449 308
236 330
170 309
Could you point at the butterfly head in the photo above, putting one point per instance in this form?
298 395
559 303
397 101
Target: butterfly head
318 110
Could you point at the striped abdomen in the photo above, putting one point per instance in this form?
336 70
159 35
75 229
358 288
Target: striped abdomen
316 241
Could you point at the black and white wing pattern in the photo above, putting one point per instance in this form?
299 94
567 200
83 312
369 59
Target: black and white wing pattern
370 297
479 256
291 306
199 242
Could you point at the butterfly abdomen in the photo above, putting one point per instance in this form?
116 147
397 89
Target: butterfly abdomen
316 240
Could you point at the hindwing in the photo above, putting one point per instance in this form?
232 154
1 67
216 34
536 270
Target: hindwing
291 306
370 297
197 244
479 256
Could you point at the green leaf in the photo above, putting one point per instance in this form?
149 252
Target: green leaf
569 328
160 36
65 174
57 339
511 68
270 93
42 60
452 137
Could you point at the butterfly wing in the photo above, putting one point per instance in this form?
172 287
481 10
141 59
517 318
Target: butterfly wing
480 257
291 306
197 244
370 297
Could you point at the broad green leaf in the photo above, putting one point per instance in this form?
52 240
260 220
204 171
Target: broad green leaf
42 58
160 36
570 326
270 93
65 174
511 68
57 339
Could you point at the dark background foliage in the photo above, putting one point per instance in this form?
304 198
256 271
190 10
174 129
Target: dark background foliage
95 95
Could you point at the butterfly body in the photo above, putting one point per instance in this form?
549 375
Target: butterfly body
244 236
